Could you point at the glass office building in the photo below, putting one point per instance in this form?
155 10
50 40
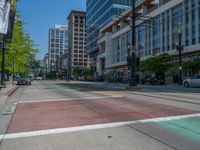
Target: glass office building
58 44
159 34
181 17
99 13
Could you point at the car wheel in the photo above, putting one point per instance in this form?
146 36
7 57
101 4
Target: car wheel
186 84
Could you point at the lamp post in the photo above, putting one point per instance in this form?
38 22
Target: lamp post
179 48
57 66
133 81
69 65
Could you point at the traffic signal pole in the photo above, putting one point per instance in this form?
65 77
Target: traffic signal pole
180 49
133 81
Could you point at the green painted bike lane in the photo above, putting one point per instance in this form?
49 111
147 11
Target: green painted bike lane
188 127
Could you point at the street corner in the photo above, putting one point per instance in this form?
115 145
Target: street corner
6 93
11 90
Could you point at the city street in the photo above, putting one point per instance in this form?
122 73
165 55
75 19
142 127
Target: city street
100 75
57 115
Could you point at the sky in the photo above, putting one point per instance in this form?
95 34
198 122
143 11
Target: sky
40 15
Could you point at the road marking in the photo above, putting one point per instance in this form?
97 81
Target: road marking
107 94
2 137
91 127
68 99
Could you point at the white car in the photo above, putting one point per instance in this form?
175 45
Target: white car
38 78
193 81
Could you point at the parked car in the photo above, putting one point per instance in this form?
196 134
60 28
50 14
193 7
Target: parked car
99 78
192 81
89 78
155 78
38 78
23 81
81 78
31 78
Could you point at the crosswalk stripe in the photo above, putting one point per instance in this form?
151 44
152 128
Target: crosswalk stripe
90 127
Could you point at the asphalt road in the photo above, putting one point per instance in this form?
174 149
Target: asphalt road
55 115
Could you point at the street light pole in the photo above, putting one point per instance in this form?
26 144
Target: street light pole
133 81
69 65
57 57
180 49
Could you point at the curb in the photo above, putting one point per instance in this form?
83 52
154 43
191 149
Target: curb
130 88
10 92
7 95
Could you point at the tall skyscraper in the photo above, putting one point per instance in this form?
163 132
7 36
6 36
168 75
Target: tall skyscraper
58 45
99 13
77 32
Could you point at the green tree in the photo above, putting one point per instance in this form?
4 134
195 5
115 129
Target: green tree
22 49
86 72
160 63
193 65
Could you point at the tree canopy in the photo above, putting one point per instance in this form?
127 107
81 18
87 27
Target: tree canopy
193 65
21 51
160 63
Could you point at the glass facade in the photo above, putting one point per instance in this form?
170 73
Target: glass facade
99 13
120 47
163 35
158 34
58 43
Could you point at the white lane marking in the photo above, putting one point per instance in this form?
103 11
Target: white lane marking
91 127
2 137
68 99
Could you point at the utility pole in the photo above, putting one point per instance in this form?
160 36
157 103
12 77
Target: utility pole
133 81
180 49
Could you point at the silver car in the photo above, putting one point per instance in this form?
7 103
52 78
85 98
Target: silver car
191 82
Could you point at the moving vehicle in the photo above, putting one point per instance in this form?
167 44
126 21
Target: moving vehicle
192 81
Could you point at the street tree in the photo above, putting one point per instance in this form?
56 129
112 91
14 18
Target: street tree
160 63
193 65
21 51
86 72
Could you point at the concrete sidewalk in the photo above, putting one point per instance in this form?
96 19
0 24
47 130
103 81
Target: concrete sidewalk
7 92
